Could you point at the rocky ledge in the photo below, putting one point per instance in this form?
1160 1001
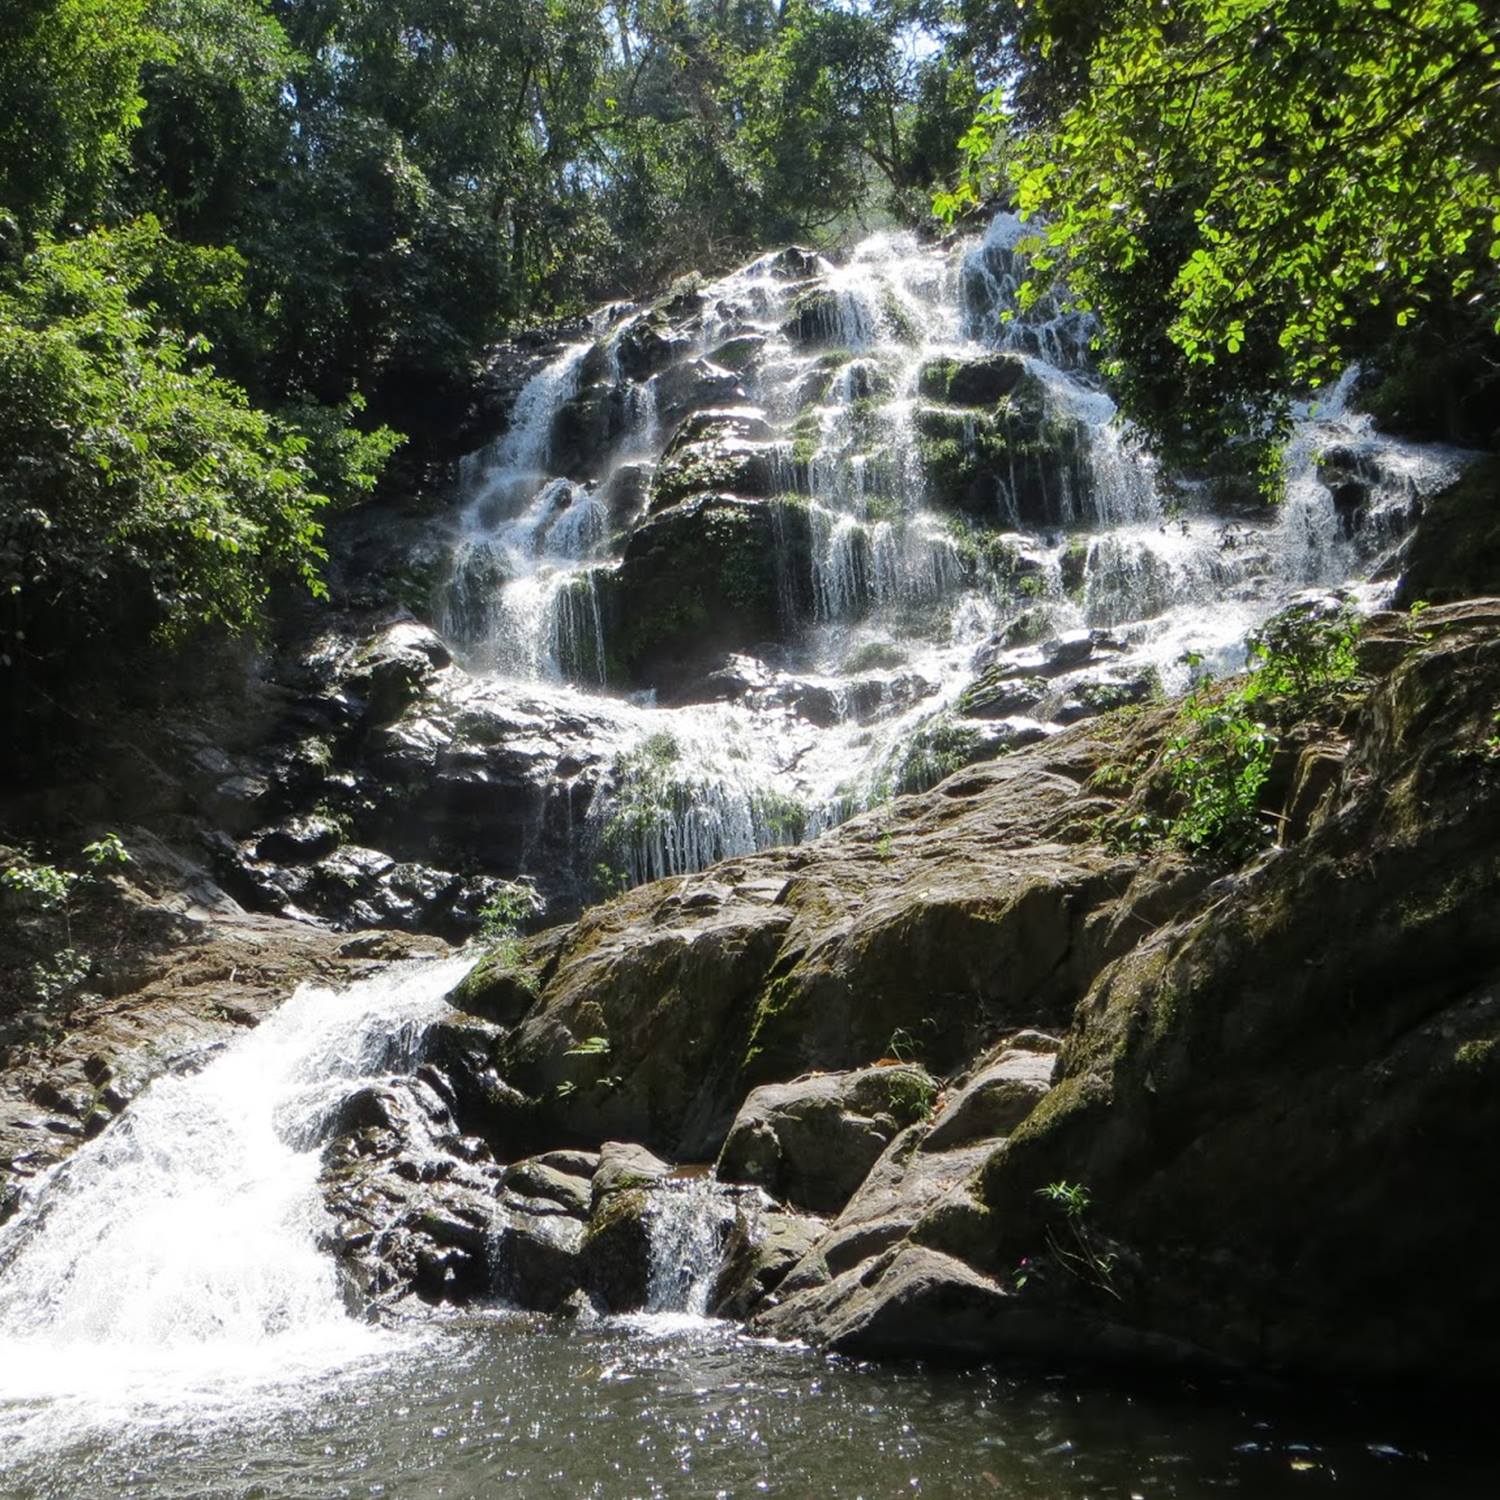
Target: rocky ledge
992 1082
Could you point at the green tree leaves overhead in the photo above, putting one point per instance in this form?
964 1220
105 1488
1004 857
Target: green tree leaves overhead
1249 190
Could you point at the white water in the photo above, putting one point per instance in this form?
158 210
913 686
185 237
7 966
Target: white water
895 617
171 1266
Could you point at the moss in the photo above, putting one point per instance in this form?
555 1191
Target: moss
1477 1054
502 986
936 377
873 656
910 1096
936 749
768 1032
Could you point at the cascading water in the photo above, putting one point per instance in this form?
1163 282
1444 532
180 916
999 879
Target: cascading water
687 1223
921 532
173 1263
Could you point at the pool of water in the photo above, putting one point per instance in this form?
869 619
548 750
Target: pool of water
674 1406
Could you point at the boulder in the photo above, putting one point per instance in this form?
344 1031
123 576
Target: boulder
763 1245
538 1261
999 1096
537 1179
623 1167
972 382
811 1142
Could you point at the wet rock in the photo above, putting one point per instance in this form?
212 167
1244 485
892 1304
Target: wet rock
624 1166
812 1141
586 427
393 671
538 1262
616 1251
536 1179
647 345
696 581
298 839
975 382
795 263
763 1245
626 491
1016 462
727 452
816 318
1002 692
695 385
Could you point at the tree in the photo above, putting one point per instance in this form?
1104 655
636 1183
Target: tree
1249 192
140 492
69 98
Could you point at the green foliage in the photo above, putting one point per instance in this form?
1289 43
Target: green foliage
1301 656
1078 1248
506 913
1250 191
1072 1197
1217 766
110 850
47 894
69 98
128 469
45 885
1219 762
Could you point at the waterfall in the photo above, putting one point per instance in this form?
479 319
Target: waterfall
912 528
180 1248
687 1222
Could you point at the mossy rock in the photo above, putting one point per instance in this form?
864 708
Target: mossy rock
976 382
1012 462
501 987
816 317
738 354
708 576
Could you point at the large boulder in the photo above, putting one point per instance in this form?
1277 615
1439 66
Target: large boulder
812 1141
700 579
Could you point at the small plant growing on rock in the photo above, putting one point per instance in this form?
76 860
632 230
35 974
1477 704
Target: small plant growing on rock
46 894
1075 1246
1301 655
1219 765
1220 761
